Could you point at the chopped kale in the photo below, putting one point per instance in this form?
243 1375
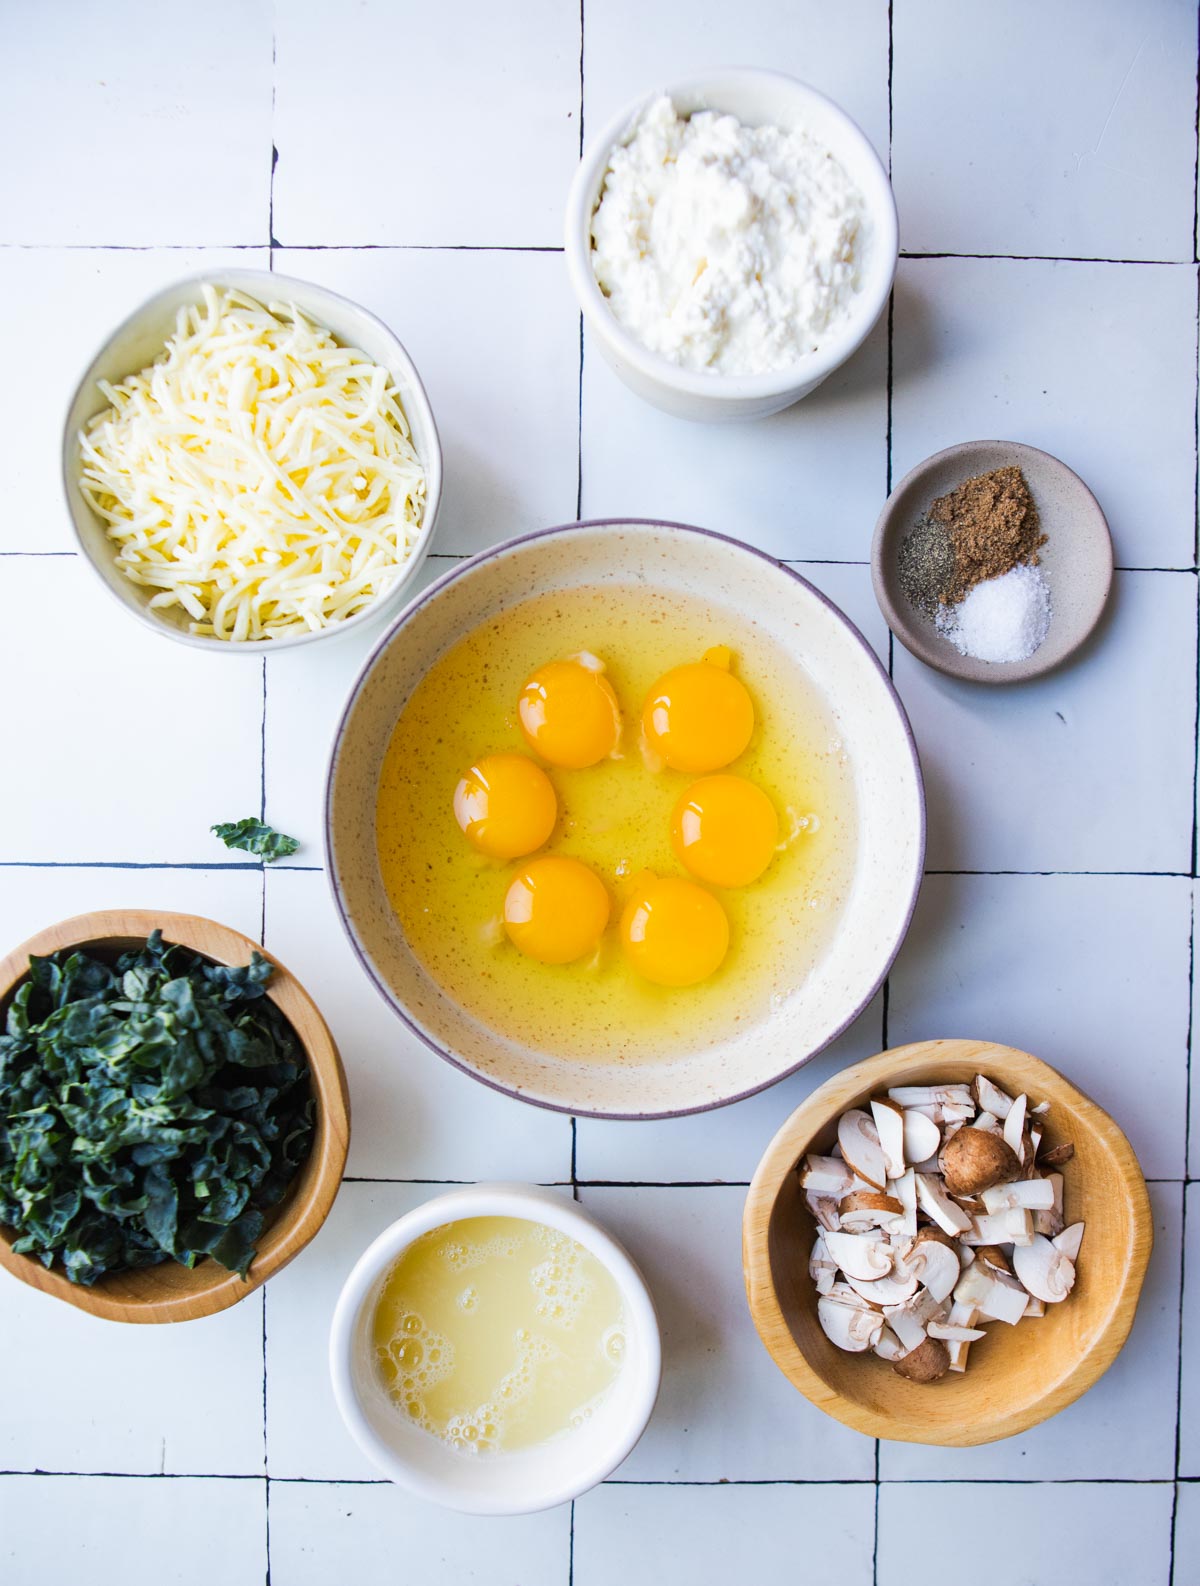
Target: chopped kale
253 837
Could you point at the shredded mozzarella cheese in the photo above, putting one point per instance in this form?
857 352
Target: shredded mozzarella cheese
257 475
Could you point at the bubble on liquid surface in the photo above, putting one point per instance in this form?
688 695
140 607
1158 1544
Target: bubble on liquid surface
468 1300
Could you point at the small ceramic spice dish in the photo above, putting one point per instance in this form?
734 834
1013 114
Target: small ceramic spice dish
1076 560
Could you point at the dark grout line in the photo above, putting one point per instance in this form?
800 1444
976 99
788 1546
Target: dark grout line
720 1481
1047 258
419 247
1170 875
571 1548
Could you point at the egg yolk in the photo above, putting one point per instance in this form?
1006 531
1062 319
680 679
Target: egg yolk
569 713
725 830
699 717
505 805
555 910
674 933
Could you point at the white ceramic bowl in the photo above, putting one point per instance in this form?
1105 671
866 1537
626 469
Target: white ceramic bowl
529 1479
814 635
140 339
756 98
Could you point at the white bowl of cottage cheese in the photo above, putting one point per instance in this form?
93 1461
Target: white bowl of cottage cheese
732 239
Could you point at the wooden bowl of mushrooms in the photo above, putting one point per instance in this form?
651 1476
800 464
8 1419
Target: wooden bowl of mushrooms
946 1244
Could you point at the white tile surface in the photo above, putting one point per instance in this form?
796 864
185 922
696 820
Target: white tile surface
1072 125
1115 1020
712 1536
1095 363
1085 1535
415 1116
116 1404
1123 1429
134 125
1189 1386
73 298
1089 768
723 1145
495 337
724 1410
325 1533
141 743
1187 1532
185 1532
841 50
807 483
458 130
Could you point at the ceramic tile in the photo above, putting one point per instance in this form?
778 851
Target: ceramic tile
1193 1167
1046 964
1187 1532
415 1117
495 337
1045 129
807 483
841 50
136 126
74 298
1189 1379
141 1532
724 1412
321 1533
1089 768
1095 363
307 690
710 1536
32 897
94 1418
1085 1535
720 1146
131 745
305 1434
462 130
1122 1429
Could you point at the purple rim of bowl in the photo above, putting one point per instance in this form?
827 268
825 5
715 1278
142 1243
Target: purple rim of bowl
364 958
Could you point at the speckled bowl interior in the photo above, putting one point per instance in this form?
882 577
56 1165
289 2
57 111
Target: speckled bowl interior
870 722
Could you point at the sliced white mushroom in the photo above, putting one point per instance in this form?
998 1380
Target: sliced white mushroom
991 1098
860 1255
1040 1111
893 1289
960 1316
825 1175
1069 1241
937 1205
951 1114
1014 1126
1013 1227
953 1334
1051 1223
1044 1270
904 1189
988 1122
908 1321
932 1095
922 1137
822 1268
849 1327
1035 1307
992 1293
935 1264
859 1140
825 1210
889 1124
869 1209
1030 1194
887 1346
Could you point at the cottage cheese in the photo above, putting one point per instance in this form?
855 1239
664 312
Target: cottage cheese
725 247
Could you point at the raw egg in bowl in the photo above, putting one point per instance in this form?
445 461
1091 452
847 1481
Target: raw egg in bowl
625 818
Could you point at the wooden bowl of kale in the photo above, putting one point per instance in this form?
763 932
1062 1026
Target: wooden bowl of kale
173 1115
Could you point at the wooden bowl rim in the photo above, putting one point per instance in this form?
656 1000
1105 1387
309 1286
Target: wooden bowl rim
788 1145
297 1219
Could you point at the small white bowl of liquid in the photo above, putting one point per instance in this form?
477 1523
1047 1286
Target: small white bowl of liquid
496 1351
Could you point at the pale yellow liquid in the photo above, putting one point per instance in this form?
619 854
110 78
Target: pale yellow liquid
615 817
495 1333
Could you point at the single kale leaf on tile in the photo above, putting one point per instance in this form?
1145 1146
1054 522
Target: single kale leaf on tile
254 837
152 1108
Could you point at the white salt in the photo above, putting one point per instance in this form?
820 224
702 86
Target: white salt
1002 619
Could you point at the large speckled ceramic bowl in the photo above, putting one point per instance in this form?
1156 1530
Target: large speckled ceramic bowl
870 722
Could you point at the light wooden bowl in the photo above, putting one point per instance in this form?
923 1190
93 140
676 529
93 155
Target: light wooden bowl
171 1292
1016 1376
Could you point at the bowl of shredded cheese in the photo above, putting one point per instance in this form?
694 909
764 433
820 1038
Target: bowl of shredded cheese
251 461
